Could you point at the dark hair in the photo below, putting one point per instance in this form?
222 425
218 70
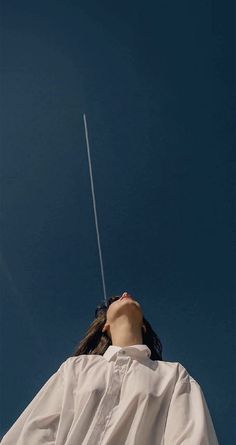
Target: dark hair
97 342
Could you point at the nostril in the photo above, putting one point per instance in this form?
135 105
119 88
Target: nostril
126 295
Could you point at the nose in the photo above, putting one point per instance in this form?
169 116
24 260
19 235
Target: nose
126 294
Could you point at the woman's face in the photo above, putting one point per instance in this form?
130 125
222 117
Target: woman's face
125 304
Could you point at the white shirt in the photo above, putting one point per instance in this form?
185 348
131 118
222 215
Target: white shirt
119 398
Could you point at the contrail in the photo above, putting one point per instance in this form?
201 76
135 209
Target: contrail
94 208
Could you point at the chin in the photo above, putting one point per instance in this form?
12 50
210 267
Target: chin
129 301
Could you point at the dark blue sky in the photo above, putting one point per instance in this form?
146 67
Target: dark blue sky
155 80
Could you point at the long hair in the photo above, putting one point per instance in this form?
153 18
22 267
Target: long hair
97 342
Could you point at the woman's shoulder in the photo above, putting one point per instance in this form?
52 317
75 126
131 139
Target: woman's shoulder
178 370
80 360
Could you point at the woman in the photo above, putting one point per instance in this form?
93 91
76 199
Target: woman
117 390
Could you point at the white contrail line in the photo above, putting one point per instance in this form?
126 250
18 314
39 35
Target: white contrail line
94 208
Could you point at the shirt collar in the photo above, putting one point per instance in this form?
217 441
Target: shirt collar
134 351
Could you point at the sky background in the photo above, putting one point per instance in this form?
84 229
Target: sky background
155 80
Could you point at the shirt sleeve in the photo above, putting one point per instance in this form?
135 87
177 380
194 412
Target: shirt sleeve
189 421
38 423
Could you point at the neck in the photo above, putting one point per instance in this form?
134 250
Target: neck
125 333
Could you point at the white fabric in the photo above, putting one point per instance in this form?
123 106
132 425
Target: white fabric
120 398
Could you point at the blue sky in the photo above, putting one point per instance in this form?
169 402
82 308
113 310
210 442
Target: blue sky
155 80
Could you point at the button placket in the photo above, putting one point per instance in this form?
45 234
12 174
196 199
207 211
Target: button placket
121 364
122 361
120 367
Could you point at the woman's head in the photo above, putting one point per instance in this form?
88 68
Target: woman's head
98 336
124 312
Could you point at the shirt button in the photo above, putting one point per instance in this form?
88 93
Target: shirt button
123 352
